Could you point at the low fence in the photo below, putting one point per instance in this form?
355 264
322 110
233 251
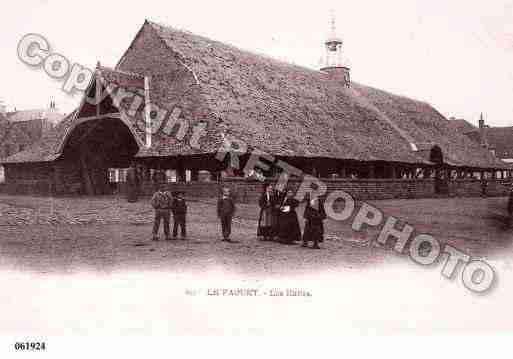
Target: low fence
249 190
362 189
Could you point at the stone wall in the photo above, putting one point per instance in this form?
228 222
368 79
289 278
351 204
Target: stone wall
53 178
41 181
248 191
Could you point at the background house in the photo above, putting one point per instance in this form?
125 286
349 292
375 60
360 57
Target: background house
20 129
498 140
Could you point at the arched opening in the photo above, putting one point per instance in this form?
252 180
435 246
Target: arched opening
94 147
436 155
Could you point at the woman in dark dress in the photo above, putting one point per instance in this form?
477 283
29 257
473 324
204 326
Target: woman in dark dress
314 227
267 220
288 223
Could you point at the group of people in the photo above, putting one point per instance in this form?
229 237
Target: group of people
164 204
278 219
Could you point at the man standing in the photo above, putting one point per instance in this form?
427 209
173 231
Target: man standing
484 186
225 211
179 209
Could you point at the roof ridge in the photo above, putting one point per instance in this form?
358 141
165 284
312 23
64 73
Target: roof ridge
129 73
238 48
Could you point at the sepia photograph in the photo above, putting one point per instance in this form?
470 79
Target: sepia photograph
270 169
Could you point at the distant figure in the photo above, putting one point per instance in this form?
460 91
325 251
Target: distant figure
179 209
314 227
267 220
484 185
225 212
161 201
139 178
288 223
159 176
510 206
132 184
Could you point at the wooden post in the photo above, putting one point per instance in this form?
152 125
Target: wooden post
313 170
147 110
342 172
180 175
98 93
393 171
371 171
89 187
194 175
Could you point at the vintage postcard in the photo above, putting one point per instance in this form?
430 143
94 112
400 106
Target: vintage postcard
271 168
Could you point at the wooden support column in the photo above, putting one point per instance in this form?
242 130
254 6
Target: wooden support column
180 174
194 175
88 183
313 170
98 88
393 171
342 172
372 171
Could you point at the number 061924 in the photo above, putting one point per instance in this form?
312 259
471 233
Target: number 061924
30 346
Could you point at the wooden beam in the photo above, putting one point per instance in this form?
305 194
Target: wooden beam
372 172
147 110
342 172
98 93
86 176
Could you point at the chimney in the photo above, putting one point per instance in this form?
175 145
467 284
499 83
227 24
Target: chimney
3 108
334 64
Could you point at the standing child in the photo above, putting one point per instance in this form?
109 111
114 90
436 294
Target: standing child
225 211
179 209
161 201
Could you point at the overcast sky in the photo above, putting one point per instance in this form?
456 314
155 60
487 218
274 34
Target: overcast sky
456 55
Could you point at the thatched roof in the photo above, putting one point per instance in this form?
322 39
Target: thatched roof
46 148
50 115
285 109
501 139
462 125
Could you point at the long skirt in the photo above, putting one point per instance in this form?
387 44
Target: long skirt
288 227
313 231
266 222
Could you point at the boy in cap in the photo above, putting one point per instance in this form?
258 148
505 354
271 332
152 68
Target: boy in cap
179 208
161 201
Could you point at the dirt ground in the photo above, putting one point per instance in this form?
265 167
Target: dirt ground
106 234
87 266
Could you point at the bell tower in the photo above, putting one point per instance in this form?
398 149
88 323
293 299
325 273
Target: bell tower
333 62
